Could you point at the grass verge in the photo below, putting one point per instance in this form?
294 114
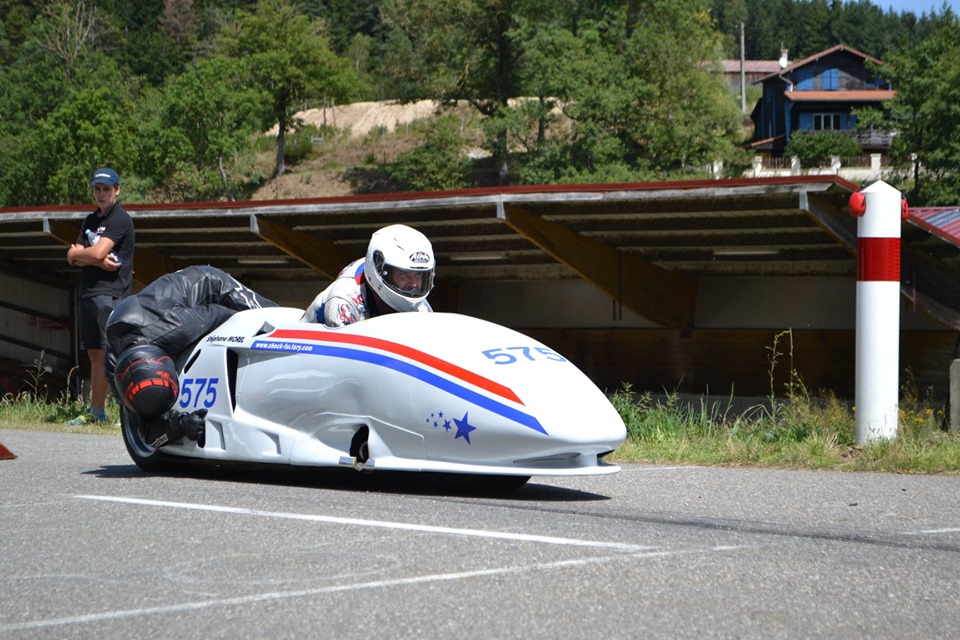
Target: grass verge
796 432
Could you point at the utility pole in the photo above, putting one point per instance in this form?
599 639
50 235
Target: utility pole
743 74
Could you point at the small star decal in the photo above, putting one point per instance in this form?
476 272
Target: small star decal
463 428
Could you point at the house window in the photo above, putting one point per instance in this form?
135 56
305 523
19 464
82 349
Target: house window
823 121
830 81
804 80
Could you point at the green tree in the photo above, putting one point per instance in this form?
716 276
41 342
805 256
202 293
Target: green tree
649 99
813 29
687 114
926 112
204 117
346 19
289 60
91 127
436 164
14 29
863 25
455 50
69 31
67 109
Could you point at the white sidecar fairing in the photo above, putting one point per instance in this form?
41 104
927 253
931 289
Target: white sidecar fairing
409 391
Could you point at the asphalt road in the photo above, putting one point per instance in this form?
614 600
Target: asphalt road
91 547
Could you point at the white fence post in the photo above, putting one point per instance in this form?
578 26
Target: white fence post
955 397
880 209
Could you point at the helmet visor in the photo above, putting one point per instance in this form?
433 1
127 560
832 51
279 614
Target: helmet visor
407 282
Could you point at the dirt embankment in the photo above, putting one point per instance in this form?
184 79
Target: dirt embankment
362 117
324 176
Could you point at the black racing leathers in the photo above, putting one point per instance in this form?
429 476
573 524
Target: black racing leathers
173 313
176 310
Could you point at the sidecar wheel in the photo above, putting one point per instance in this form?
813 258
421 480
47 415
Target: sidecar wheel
146 457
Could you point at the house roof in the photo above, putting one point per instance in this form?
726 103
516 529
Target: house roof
751 66
826 52
766 143
860 95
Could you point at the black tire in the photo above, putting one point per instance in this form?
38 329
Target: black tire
146 457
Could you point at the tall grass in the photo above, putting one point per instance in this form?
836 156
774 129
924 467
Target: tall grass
793 429
32 407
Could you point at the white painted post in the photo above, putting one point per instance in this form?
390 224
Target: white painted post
955 397
880 209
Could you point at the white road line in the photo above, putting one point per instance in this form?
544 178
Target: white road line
377 584
926 532
477 533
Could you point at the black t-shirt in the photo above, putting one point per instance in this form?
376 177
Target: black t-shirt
117 225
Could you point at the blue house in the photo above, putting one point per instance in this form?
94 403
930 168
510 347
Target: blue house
818 93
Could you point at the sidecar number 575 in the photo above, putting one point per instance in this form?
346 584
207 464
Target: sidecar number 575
195 390
509 355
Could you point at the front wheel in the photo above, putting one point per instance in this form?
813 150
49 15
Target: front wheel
146 457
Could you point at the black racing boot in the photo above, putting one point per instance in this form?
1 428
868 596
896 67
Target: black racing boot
174 425
194 426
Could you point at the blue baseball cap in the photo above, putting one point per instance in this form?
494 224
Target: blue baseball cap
105 175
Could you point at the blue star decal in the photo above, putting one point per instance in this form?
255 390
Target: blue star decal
463 428
446 425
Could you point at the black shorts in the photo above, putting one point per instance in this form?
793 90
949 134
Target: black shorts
92 320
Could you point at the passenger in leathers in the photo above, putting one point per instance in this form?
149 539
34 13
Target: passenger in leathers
149 330
395 275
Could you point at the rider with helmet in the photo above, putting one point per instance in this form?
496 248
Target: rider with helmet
396 275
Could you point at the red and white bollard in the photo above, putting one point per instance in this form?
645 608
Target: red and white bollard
879 210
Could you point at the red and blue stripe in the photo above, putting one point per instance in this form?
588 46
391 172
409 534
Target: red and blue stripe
406 360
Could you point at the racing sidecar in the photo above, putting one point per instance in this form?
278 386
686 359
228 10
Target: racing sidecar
429 392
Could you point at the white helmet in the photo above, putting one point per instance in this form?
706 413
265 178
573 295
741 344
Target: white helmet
399 266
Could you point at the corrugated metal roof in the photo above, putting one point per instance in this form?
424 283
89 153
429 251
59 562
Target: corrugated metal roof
941 221
646 244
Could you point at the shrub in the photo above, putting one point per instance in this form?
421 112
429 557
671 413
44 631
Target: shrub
815 148
438 163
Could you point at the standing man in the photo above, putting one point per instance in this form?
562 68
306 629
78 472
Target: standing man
104 252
